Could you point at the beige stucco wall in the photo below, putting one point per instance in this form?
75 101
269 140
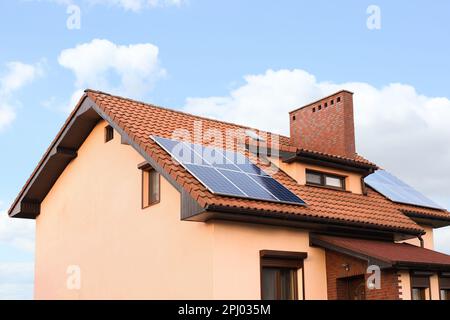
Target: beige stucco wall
434 286
297 170
405 285
428 240
237 264
92 219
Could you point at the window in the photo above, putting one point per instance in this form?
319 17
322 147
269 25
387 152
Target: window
444 286
282 275
445 294
109 133
325 180
418 294
150 187
420 286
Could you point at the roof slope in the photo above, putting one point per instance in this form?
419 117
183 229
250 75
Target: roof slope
140 121
392 253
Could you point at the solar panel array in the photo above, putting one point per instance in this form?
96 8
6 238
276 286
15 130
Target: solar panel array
398 191
227 173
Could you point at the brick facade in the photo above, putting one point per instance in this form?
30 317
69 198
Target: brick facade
326 125
390 288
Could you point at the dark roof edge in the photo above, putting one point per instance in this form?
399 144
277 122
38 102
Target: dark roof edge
46 155
434 221
407 233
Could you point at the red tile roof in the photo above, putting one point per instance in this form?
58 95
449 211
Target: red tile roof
140 121
424 212
390 252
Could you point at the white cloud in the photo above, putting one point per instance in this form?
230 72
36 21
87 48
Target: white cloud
16 280
16 76
18 233
401 130
130 70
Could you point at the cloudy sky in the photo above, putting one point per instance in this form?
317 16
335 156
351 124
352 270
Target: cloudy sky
243 61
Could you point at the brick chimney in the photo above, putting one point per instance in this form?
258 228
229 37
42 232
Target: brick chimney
326 125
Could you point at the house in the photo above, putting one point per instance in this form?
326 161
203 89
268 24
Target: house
120 216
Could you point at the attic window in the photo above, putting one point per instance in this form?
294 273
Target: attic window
338 99
332 102
293 118
109 133
316 178
150 187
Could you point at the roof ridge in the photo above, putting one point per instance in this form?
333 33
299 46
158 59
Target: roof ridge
182 112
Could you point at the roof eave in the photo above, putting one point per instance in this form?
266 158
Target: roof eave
61 151
302 221
426 219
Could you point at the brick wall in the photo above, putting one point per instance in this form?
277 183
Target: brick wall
326 125
335 271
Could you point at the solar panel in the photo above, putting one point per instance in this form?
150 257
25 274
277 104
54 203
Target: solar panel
398 191
248 185
227 173
211 177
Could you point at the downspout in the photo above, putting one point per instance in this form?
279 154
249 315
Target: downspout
421 241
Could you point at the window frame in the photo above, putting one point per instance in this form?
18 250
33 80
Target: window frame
421 281
284 260
444 283
323 176
147 169
109 133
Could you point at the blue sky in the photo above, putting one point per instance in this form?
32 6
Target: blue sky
219 58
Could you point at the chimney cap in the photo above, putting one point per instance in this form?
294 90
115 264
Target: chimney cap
324 98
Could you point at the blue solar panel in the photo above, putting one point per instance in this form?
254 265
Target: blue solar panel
251 168
227 172
213 180
248 185
396 190
277 189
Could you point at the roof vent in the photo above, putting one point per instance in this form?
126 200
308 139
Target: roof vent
252 134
